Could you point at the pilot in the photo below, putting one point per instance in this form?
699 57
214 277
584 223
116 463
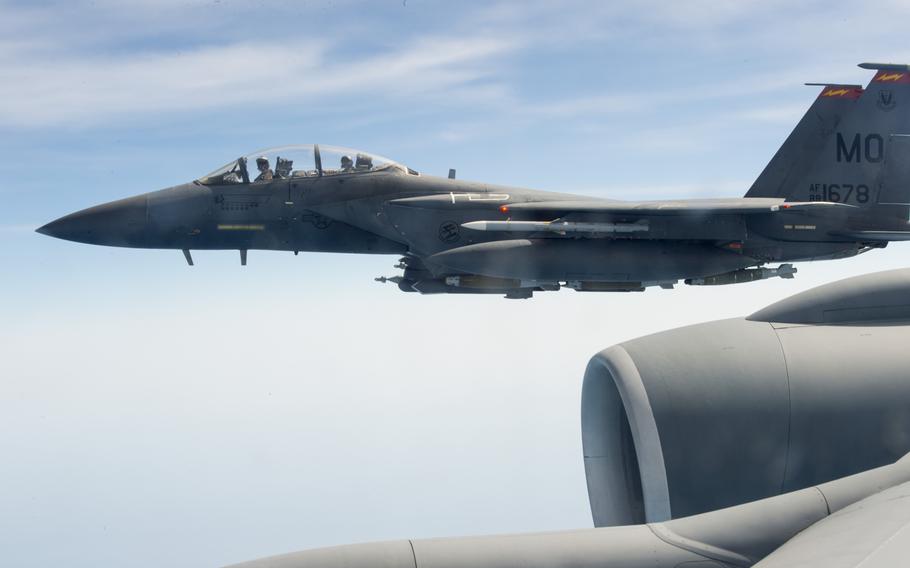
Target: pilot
265 173
347 164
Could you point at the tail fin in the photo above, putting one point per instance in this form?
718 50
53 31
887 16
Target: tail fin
865 162
806 141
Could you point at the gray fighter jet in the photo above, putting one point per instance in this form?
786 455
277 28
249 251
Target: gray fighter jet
839 186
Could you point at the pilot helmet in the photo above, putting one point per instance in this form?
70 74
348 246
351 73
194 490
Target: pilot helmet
262 160
346 161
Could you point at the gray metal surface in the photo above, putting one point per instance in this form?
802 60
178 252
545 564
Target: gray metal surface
872 533
717 397
882 297
736 410
839 186
737 536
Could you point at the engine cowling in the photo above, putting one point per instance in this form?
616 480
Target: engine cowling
810 389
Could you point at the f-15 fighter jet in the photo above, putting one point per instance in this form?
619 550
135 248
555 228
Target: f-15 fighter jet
839 186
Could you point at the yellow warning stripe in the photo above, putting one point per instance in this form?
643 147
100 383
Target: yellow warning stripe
241 227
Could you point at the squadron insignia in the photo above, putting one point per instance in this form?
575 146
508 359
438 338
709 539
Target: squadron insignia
318 221
886 100
449 232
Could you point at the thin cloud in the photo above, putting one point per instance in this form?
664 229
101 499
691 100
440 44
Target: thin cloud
775 114
91 65
19 227
57 89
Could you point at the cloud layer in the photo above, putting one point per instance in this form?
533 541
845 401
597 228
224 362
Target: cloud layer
102 63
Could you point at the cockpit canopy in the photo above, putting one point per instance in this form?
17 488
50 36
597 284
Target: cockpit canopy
302 161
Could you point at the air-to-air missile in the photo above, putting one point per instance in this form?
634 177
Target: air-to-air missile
839 186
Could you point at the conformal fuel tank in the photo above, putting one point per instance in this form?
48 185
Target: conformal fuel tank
807 390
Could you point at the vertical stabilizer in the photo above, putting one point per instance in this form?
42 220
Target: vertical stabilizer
806 141
864 162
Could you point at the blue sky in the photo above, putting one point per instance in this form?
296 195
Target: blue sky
155 414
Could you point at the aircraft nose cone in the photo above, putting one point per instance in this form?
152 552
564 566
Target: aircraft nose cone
47 229
118 223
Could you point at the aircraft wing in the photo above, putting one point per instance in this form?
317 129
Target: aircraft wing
734 206
594 206
601 217
859 521
582 216
871 533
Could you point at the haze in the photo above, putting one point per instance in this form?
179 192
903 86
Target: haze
154 414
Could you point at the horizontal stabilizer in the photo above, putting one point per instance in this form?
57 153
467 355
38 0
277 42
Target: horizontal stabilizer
837 86
885 66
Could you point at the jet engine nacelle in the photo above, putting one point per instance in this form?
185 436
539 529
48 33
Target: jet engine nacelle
810 389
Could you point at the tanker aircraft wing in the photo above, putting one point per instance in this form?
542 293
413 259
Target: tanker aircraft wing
872 533
858 521
771 440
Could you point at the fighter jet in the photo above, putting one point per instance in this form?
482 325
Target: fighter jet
839 186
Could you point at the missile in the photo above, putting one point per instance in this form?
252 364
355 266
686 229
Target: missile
557 226
744 275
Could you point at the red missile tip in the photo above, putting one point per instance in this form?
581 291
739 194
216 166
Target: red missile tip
503 208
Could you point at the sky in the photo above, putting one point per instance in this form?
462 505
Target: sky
155 414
